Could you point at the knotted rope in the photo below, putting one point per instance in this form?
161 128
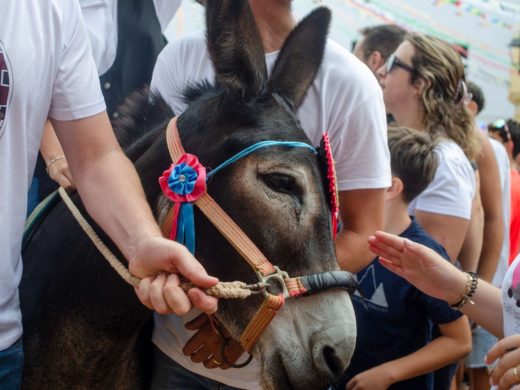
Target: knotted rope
226 290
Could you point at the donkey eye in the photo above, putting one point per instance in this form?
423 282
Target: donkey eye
282 183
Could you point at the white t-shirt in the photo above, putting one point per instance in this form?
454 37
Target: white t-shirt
46 69
101 21
453 187
505 185
344 100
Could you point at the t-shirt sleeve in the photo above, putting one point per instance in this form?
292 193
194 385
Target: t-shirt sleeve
451 191
76 92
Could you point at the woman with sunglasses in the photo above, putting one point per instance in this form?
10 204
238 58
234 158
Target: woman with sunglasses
423 88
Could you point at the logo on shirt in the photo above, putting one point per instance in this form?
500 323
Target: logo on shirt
6 87
374 292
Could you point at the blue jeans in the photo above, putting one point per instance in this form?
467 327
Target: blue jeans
11 365
169 375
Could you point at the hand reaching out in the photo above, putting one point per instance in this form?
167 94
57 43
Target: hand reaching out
419 265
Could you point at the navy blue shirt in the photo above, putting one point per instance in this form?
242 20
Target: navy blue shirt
394 318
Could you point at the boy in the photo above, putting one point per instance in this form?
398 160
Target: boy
394 346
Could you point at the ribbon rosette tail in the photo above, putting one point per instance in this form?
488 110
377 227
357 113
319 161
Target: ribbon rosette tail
326 161
184 183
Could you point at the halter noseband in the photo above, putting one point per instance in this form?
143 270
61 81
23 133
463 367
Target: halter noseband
184 190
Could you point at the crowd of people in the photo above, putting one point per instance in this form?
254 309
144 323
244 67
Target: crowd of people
421 185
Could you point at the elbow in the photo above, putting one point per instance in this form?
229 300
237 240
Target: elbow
466 348
463 347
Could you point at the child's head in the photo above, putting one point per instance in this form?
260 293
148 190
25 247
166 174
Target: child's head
413 159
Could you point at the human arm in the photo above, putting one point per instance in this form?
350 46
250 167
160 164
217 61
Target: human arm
491 196
472 245
453 344
51 151
436 277
506 356
361 213
447 230
111 191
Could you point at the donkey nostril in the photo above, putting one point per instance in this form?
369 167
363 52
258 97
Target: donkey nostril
333 363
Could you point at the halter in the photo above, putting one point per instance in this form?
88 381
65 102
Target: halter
185 183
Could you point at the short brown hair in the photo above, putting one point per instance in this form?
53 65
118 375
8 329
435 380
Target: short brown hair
413 159
383 38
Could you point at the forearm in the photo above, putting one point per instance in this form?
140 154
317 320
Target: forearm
487 309
491 247
107 181
362 213
117 201
472 246
436 354
352 251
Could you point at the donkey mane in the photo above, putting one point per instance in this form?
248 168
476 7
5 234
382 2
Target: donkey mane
140 114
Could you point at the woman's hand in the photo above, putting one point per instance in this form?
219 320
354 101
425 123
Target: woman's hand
506 354
419 265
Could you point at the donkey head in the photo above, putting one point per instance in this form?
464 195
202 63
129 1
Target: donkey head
276 195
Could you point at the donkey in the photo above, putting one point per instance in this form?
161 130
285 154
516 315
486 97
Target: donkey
84 327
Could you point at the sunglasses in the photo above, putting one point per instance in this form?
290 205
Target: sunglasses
393 61
500 126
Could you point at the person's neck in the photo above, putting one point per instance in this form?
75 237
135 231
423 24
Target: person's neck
274 20
411 116
397 219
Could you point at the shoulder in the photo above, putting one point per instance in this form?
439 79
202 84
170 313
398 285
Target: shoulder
346 74
194 44
452 158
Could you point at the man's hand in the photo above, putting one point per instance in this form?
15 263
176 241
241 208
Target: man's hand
160 262
206 345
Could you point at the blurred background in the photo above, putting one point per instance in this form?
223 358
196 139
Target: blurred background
482 31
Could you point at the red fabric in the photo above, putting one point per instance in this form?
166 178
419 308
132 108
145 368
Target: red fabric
333 186
514 227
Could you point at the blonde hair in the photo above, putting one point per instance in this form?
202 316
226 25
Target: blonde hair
443 97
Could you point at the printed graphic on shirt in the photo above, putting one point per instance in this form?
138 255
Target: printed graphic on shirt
374 293
6 87
513 301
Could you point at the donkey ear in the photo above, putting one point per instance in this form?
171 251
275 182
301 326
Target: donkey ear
301 56
235 46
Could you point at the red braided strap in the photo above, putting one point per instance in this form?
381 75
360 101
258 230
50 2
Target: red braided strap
295 286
